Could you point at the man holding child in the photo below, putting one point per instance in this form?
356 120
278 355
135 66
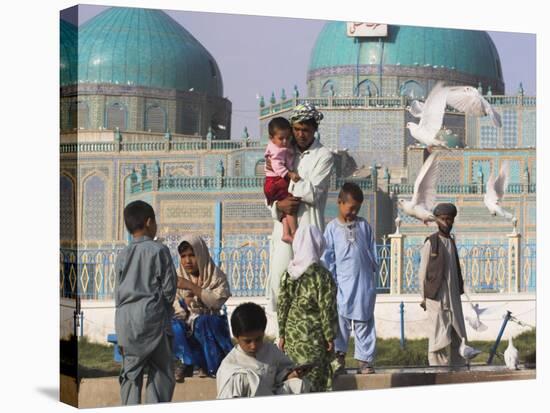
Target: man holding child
313 163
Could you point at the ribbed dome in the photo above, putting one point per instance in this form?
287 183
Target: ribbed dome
468 51
68 34
142 47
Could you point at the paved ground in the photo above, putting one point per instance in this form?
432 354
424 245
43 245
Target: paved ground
103 392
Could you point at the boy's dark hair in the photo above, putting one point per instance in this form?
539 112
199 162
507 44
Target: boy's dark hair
246 318
353 190
184 245
136 214
278 123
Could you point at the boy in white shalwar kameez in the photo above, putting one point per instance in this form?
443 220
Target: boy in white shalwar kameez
351 258
254 368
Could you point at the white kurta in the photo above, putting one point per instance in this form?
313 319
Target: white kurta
314 166
241 375
444 313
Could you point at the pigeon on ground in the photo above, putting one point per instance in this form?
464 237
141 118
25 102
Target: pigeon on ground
495 192
423 200
511 356
467 352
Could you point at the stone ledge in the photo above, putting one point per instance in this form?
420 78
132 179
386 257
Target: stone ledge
104 392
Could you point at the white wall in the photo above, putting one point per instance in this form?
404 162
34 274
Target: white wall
99 316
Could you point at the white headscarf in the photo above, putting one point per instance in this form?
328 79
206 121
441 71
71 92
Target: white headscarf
308 247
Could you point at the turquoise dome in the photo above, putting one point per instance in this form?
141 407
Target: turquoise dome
143 47
68 42
468 51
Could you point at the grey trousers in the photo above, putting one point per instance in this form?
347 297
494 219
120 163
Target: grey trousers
448 356
160 375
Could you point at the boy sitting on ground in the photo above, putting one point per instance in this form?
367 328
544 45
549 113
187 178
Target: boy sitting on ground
254 367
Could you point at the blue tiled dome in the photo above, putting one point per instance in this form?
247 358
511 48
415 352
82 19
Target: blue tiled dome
68 34
468 51
142 47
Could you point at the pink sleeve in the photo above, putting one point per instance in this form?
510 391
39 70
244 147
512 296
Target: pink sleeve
279 159
278 162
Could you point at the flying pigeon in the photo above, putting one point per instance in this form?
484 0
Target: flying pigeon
423 200
462 98
474 320
467 99
495 192
511 356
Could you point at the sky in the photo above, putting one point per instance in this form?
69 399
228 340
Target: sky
259 55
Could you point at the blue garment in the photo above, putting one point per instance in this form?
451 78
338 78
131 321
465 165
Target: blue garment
365 338
351 257
206 346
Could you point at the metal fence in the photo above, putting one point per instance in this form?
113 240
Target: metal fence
90 272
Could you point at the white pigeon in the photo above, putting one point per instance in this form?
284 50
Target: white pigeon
467 99
431 117
462 98
473 318
495 192
467 352
511 356
423 200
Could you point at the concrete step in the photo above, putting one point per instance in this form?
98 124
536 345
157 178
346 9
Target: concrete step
104 392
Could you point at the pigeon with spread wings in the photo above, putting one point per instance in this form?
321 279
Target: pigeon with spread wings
462 98
495 192
425 191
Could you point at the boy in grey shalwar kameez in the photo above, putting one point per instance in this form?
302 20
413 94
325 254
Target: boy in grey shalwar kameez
441 285
144 293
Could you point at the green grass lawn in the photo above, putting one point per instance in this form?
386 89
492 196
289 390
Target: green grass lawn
415 353
96 360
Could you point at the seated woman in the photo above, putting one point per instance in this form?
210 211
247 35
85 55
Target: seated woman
201 332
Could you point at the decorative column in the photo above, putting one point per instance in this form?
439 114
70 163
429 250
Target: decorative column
218 233
133 180
387 178
156 176
480 179
245 137
143 176
526 179
167 141
374 177
397 241
295 93
514 262
220 173
209 137
118 140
